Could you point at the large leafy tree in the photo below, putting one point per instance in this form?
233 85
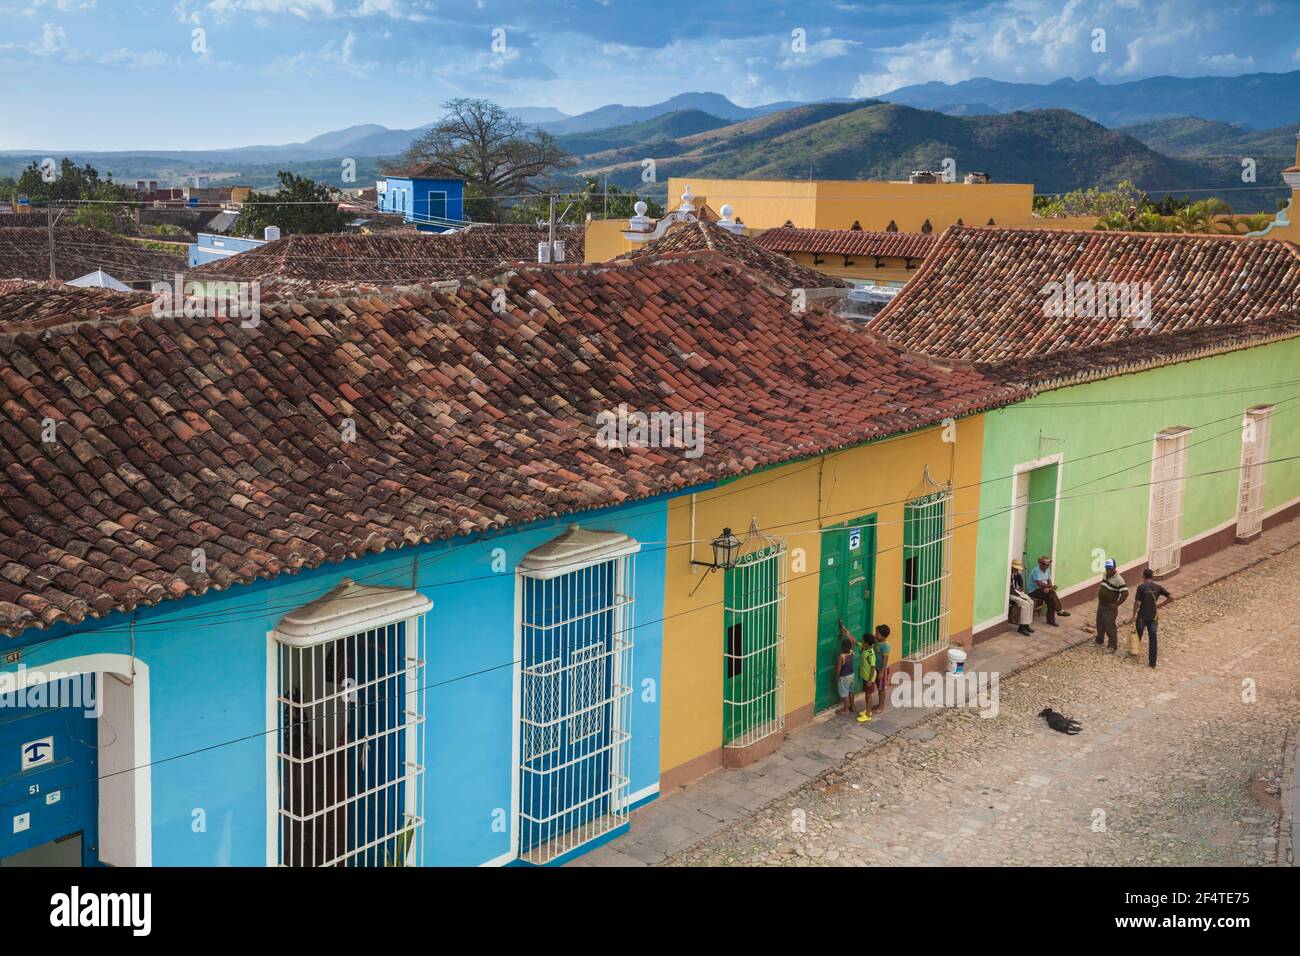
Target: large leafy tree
496 154
300 205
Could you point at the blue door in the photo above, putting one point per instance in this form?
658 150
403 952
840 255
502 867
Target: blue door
49 766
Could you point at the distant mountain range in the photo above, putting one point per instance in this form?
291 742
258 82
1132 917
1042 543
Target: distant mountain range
1168 134
1254 100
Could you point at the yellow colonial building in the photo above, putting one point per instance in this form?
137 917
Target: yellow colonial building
869 535
1285 225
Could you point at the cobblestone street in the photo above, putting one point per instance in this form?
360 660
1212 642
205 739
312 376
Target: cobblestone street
1180 765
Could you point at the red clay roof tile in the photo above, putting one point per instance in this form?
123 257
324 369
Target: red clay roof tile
177 434
987 295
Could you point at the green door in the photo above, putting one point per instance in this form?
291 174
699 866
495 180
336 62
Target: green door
845 585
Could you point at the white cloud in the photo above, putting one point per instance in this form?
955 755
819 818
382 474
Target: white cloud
334 57
1032 39
53 45
815 53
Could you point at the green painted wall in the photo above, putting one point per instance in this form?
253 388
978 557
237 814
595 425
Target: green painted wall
1104 431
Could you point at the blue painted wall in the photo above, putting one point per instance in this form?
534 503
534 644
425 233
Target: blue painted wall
429 203
207 659
211 247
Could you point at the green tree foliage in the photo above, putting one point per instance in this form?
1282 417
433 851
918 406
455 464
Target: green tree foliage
496 154
300 206
105 203
1093 202
591 199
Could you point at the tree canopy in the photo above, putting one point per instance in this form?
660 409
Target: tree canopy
300 206
496 154
592 199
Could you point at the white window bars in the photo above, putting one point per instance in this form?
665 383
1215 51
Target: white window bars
1168 474
927 540
575 673
754 642
350 671
1254 465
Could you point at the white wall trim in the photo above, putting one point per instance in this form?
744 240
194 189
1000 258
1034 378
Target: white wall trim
516 718
650 791
271 692
137 673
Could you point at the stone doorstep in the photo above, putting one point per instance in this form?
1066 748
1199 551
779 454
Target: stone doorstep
717 792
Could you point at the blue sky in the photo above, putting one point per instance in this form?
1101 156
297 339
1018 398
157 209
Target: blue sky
121 74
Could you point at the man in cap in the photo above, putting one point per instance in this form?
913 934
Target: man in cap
1112 593
1020 599
1043 590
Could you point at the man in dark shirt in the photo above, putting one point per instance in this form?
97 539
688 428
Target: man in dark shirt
1146 610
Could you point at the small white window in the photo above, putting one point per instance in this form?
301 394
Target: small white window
350 709
1254 465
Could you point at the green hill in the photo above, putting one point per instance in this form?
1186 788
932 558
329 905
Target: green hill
1055 149
661 129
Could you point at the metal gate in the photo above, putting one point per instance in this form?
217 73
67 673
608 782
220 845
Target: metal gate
753 653
1254 458
350 746
574 713
1168 471
926 540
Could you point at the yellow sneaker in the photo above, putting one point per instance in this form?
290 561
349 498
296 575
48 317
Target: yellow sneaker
864 716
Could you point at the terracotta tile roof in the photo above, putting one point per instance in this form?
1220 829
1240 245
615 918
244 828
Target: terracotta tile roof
78 251
705 236
23 220
25 304
985 294
388 257
515 243
175 434
848 242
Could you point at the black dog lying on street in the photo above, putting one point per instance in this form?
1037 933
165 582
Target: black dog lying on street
1059 722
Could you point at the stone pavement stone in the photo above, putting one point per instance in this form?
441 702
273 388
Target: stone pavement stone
712 807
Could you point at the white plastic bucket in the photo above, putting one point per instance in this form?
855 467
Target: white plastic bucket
956 660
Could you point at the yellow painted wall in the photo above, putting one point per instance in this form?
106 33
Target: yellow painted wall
604 240
786 501
837 203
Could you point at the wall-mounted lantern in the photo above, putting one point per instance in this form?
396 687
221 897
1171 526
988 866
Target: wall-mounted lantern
726 549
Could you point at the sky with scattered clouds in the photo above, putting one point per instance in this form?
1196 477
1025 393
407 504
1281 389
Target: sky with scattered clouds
185 74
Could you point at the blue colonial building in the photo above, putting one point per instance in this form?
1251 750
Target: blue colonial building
425 195
215 246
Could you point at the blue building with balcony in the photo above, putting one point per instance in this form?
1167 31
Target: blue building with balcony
425 195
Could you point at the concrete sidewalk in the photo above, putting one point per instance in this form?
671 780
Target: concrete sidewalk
678 820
